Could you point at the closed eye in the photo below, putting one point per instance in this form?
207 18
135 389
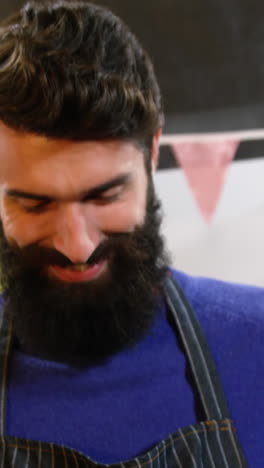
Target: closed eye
107 196
33 206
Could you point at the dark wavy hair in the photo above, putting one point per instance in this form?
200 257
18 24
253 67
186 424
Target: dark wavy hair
73 70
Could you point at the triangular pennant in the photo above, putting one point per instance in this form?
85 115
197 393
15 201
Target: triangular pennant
205 165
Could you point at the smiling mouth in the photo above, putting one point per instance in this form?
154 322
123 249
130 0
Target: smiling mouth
78 273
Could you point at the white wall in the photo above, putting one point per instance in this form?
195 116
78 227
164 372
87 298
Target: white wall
231 248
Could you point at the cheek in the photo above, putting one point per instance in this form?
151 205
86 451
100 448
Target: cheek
123 215
19 229
123 218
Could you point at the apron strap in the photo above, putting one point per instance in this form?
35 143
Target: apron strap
199 356
5 344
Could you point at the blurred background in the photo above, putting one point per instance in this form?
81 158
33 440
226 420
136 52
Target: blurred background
209 59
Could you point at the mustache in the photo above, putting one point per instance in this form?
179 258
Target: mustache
34 256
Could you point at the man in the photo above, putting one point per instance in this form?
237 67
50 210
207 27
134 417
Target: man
102 359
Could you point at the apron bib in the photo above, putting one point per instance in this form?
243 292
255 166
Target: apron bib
209 444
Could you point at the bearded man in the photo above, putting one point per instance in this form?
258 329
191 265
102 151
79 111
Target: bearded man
103 359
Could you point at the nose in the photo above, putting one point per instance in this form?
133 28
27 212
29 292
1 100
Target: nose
76 235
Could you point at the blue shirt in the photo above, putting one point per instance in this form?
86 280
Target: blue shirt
138 397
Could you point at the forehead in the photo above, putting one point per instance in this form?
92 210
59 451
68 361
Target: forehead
25 157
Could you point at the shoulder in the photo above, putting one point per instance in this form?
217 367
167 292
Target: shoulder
214 299
231 315
232 319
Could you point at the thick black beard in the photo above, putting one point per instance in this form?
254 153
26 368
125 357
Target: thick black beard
86 323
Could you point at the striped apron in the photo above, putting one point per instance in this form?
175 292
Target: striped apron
211 443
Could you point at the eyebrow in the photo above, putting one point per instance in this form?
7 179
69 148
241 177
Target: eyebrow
84 196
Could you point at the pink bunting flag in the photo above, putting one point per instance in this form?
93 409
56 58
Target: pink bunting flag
205 164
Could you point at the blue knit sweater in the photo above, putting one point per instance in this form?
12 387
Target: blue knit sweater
121 409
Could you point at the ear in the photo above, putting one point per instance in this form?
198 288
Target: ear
155 150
